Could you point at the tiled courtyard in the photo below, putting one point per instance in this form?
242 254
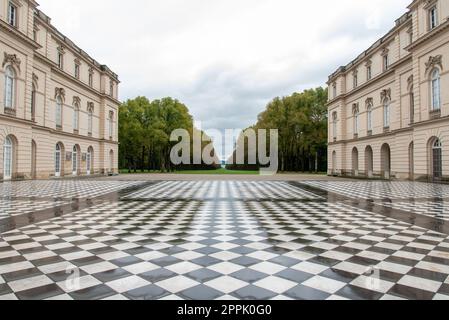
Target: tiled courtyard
224 240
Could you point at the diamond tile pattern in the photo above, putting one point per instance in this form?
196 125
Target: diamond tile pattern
152 245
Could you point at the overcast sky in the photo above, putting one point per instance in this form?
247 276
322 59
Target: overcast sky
225 59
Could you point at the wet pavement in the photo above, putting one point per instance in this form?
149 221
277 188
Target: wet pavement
106 239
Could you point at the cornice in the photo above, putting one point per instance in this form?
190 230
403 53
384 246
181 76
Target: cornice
412 126
423 39
19 35
54 68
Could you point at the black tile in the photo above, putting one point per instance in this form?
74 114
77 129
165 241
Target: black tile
157 275
21 274
410 293
285 261
339 275
328 262
111 275
242 250
166 261
150 292
444 289
126 261
201 293
294 275
93 293
64 275
431 275
4 289
403 261
357 293
205 261
249 275
301 292
11 260
253 293
46 261
40 293
245 261
86 261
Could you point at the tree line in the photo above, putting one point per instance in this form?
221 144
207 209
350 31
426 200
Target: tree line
145 128
301 120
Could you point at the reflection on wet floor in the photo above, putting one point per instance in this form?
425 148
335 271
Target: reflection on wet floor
225 240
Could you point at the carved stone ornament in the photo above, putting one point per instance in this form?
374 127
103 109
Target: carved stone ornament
12 59
355 108
60 92
91 70
35 78
77 61
368 63
385 95
90 106
410 81
369 102
385 52
76 101
434 62
61 49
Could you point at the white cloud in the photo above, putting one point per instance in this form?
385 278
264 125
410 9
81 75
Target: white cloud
224 58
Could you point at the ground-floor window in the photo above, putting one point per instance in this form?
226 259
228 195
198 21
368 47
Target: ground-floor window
7 159
58 160
437 159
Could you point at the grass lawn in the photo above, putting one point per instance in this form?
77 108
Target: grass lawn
218 171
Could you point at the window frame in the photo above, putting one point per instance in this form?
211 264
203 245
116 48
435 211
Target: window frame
10 88
369 117
433 17
12 20
77 70
387 113
58 112
435 83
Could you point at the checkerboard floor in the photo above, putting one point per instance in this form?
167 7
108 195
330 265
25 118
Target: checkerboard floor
434 209
240 248
61 189
208 190
378 190
12 208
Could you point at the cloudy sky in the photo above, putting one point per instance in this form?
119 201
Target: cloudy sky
225 59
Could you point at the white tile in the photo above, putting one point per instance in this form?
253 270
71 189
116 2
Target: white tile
177 284
276 284
7 268
373 284
225 268
74 284
183 267
309 267
324 284
127 284
225 255
226 284
98 267
435 267
420 283
29 283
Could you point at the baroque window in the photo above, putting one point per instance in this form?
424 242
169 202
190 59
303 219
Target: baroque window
12 14
58 111
436 94
10 79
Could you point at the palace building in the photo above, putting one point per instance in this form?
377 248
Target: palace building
58 106
389 108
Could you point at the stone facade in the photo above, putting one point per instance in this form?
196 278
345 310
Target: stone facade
389 108
58 106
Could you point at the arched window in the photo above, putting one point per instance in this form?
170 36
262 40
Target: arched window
89 160
386 113
356 119
33 102
58 160
334 125
111 124
369 116
436 102
75 160
90 116
10 78
58 116
437 159
76 116
7 159
412 105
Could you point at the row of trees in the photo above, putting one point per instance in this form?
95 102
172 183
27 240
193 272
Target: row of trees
145 128
301 120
